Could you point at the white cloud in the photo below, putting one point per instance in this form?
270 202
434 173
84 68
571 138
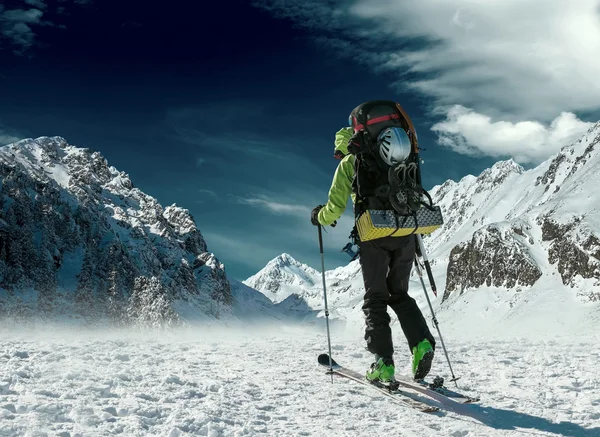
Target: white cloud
21 15
39 4
225 139
471 133
512 60
524 58
210 193
237 143
257 249
276 207
240 248
7 138
15 24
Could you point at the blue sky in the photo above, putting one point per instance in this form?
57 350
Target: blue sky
229 109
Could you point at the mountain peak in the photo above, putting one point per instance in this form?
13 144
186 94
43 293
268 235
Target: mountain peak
509 165
283 260
287 262
46 143
279 274
502 168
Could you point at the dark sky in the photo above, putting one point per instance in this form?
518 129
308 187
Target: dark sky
216 106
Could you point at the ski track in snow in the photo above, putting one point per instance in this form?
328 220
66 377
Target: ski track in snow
223 382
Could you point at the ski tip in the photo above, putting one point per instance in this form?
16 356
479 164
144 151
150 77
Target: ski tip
324 361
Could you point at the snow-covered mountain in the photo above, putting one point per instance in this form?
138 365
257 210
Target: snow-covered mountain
509 227
77 238
283 276
295 286
506 231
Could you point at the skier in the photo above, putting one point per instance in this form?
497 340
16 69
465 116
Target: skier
386 265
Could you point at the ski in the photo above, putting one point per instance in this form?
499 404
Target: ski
436 388
393 393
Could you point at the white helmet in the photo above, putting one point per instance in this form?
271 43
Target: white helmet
394 145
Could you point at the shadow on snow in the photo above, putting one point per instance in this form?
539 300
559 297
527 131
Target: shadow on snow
513 420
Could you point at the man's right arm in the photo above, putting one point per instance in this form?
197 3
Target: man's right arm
340 191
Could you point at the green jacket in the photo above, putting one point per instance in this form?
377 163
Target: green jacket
341 187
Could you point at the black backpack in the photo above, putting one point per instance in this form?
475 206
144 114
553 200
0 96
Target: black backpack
377 185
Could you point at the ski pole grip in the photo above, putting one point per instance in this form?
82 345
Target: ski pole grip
430 276
418 247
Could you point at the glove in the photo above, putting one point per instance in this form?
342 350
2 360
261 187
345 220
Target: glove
314 215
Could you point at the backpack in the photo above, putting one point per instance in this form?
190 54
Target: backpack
377 185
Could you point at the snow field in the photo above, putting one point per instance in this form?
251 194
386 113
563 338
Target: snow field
223 382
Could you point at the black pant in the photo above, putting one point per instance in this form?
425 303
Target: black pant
386 264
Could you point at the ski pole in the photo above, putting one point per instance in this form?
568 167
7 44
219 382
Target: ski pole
435 321
325 300
427 265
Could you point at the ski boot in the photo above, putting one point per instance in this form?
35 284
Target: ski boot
383 371
422 358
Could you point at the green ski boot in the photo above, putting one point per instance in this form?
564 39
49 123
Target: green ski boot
422 358
383 370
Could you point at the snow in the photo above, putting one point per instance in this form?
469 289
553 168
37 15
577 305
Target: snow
217 381
61 175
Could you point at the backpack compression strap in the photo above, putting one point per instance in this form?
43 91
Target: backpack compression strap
376 120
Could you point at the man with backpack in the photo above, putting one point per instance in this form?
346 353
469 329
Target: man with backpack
381 137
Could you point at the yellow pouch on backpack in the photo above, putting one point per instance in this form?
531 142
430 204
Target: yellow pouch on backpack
373 224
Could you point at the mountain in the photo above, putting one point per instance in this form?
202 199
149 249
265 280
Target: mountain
514 242
509 227
296 287
282 276
77 239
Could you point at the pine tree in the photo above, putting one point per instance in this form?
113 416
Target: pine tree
84 295
185 281
149 304
45 274
115 299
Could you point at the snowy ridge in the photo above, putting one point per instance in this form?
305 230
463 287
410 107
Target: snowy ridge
78 239
549 215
